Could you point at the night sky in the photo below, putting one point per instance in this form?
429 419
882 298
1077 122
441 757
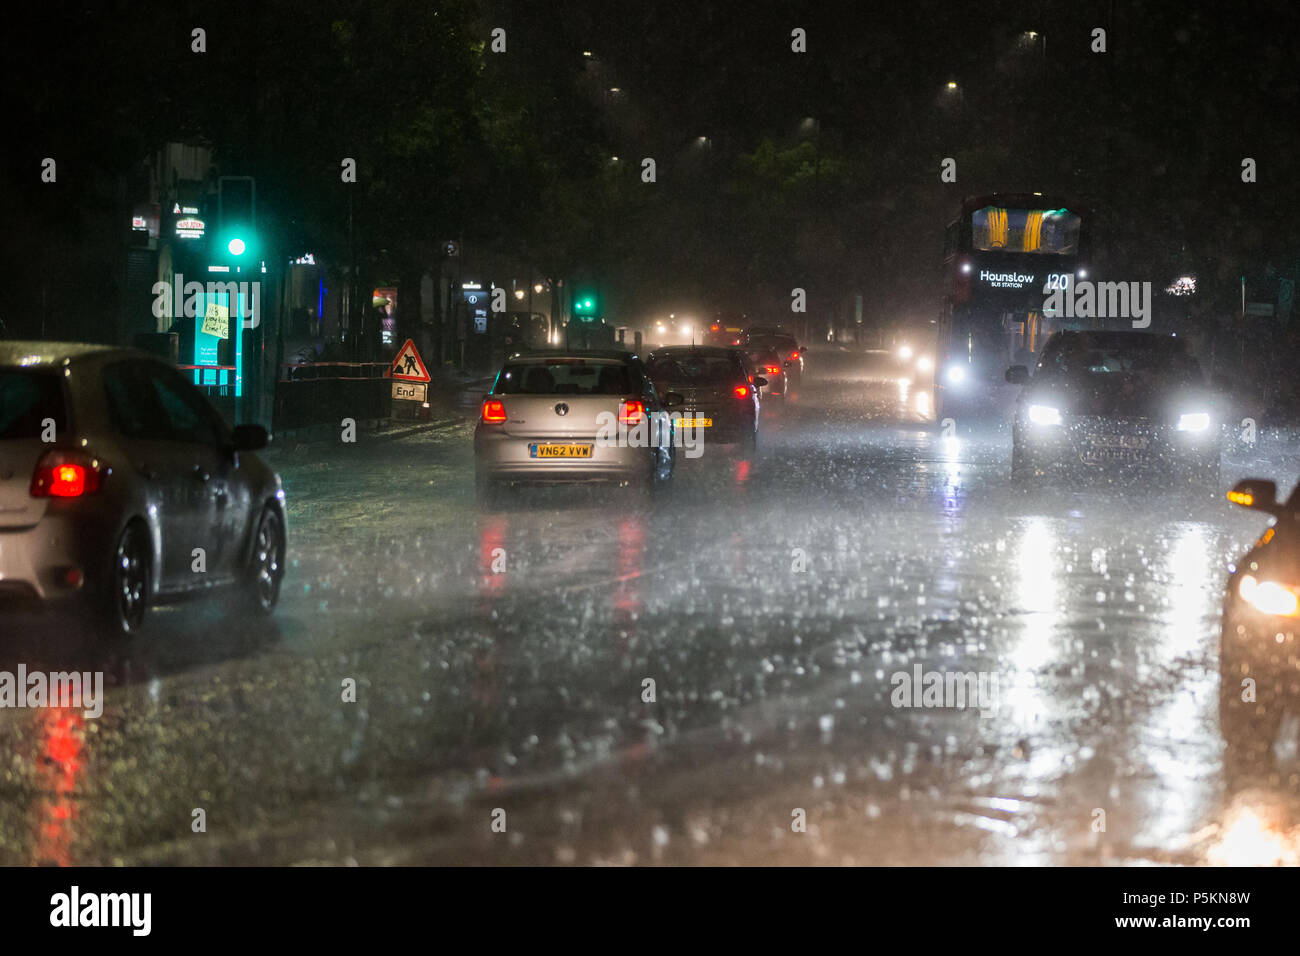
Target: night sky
818 169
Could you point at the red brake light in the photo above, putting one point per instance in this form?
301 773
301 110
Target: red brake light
64 474
794 355
494 411
631 413
713 328
742 391
772 369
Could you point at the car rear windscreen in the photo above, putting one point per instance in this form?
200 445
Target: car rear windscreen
694 370
565 377
29 400
780 343
763 356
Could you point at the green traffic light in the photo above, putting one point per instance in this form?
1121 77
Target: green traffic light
236 246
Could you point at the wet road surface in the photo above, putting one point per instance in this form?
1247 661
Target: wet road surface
501 663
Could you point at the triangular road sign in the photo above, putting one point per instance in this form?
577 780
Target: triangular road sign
407 366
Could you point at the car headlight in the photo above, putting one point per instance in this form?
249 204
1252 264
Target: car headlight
956 374
923 364
1194 422
905 352
1269 597
1044 415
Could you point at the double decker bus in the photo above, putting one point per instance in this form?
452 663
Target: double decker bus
1000 255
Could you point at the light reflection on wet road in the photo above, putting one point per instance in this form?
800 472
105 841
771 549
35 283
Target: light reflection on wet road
501 662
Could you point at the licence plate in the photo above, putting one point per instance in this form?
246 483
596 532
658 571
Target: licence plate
560 451
695 422
1110 455
1137 442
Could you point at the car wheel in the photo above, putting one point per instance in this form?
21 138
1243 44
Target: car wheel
266 564
125 597
667 464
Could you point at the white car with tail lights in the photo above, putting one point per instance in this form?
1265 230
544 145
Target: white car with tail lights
121 486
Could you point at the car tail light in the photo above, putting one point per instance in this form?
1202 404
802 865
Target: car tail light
713 328
494 411
742 391
67 474
631 413
772 369
794 355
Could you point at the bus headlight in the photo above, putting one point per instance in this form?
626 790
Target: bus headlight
1194 422
956 374
1044 415
923 364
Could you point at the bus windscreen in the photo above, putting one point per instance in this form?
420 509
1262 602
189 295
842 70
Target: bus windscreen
1039 231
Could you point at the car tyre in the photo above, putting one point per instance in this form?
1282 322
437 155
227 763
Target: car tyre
265 573
123 601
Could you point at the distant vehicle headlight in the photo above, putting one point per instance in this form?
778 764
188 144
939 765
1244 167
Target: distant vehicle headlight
956 374
905 352
1044 415
923 364
1269 597
1194 422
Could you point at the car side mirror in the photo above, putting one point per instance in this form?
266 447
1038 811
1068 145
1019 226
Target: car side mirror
1257 494
673 398
249 438
1017 375
759 381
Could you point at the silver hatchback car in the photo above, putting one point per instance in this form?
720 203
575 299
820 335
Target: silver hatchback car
120 485
589 416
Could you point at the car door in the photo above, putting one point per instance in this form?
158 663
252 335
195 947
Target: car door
166 452
206 462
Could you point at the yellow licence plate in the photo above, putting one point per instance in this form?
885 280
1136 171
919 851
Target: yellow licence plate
561 451
696 423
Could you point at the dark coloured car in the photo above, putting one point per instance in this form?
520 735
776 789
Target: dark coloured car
724 330
785 345
715 390
1259 666
765 362
121 486
1115 403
